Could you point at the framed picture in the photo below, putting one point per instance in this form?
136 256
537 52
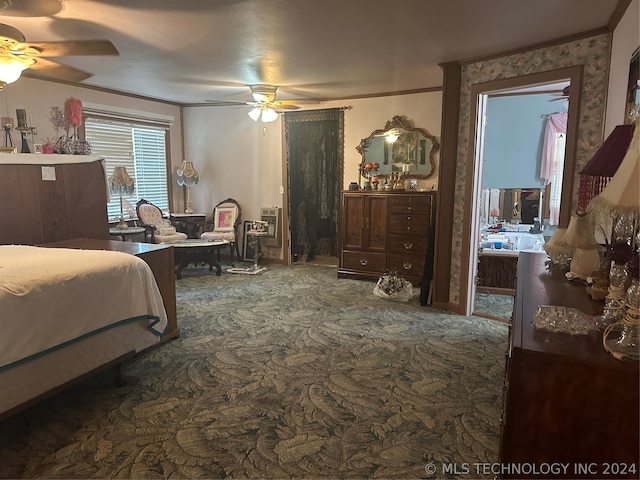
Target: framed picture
249 243
37 148
224 218
9 149
405 150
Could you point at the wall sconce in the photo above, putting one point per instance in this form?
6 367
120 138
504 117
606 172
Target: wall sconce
188 176
121 183
264 113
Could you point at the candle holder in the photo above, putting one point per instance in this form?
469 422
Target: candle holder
24 131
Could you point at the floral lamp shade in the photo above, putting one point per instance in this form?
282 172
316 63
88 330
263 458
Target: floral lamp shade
187 174
120 182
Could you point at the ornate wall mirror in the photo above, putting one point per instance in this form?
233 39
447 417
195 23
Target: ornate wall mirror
400 147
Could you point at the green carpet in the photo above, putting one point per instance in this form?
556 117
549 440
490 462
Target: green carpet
293 373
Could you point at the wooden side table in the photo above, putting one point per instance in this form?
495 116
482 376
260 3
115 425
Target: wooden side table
125 232
190 223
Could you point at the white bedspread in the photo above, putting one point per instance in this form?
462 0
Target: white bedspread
50 297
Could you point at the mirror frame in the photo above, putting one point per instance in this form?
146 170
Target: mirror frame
401 121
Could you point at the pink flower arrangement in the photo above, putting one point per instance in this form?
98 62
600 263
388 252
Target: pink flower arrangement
73 112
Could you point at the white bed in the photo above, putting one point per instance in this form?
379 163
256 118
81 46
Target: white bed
67 312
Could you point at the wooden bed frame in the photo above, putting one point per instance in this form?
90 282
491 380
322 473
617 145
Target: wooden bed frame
60 201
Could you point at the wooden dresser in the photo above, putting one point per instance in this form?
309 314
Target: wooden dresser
42 203
566 399
386 231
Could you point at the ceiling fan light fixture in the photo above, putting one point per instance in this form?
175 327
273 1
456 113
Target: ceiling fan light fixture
254 113
11 68
269 115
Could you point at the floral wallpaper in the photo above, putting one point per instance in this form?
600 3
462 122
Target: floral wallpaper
593 53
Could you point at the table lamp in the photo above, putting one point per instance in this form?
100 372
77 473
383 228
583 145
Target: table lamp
188 176
121 183
619 205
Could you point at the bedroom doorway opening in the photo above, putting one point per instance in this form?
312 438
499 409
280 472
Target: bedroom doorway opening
480 95
314 165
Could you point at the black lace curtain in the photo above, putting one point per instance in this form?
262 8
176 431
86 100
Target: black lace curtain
315 158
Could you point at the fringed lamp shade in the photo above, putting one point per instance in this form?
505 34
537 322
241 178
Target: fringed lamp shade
187 174
621 196
120 182
595 176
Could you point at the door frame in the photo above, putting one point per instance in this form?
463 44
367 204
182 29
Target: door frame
474 156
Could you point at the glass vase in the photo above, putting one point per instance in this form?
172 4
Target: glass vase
622 339
614 301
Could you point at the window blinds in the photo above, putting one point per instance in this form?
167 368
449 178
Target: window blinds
141 148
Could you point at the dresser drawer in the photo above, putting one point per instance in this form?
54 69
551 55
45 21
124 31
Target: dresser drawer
409 224
410 204
364 261
408 265
411 244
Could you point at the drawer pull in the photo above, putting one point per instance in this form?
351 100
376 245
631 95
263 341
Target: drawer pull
363 262
406 265
408 245
409 207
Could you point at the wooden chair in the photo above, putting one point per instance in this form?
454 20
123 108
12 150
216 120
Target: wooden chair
227 216
157 228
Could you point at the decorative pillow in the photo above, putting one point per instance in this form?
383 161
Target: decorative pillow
164 227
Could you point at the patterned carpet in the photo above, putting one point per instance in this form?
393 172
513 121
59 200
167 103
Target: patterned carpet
289 374
500 306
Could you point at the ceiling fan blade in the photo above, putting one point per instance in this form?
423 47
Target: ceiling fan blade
74 47
285 107
43 68
224 103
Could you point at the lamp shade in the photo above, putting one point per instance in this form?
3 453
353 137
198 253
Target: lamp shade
187 174
120 182
264 113
595 176
621 196
11 68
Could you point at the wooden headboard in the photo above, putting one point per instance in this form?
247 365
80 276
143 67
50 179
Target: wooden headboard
48 198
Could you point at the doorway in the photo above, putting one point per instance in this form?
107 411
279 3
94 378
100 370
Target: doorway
480 94
314 165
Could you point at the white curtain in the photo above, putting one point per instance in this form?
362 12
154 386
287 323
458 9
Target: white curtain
551 167
556 123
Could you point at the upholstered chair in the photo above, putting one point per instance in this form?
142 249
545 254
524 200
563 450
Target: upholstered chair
157 228
227 216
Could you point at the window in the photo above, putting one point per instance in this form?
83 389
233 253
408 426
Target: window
142 150
556 178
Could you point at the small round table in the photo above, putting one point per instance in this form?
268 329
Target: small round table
124 232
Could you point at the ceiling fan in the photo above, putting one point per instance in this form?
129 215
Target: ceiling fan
16 55
562 96
265 105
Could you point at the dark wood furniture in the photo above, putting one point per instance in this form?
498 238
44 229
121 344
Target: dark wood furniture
385 231
190 223
47 203
497 273
197 251
565 398
158 256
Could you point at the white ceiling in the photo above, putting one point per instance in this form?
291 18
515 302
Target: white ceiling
191 51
